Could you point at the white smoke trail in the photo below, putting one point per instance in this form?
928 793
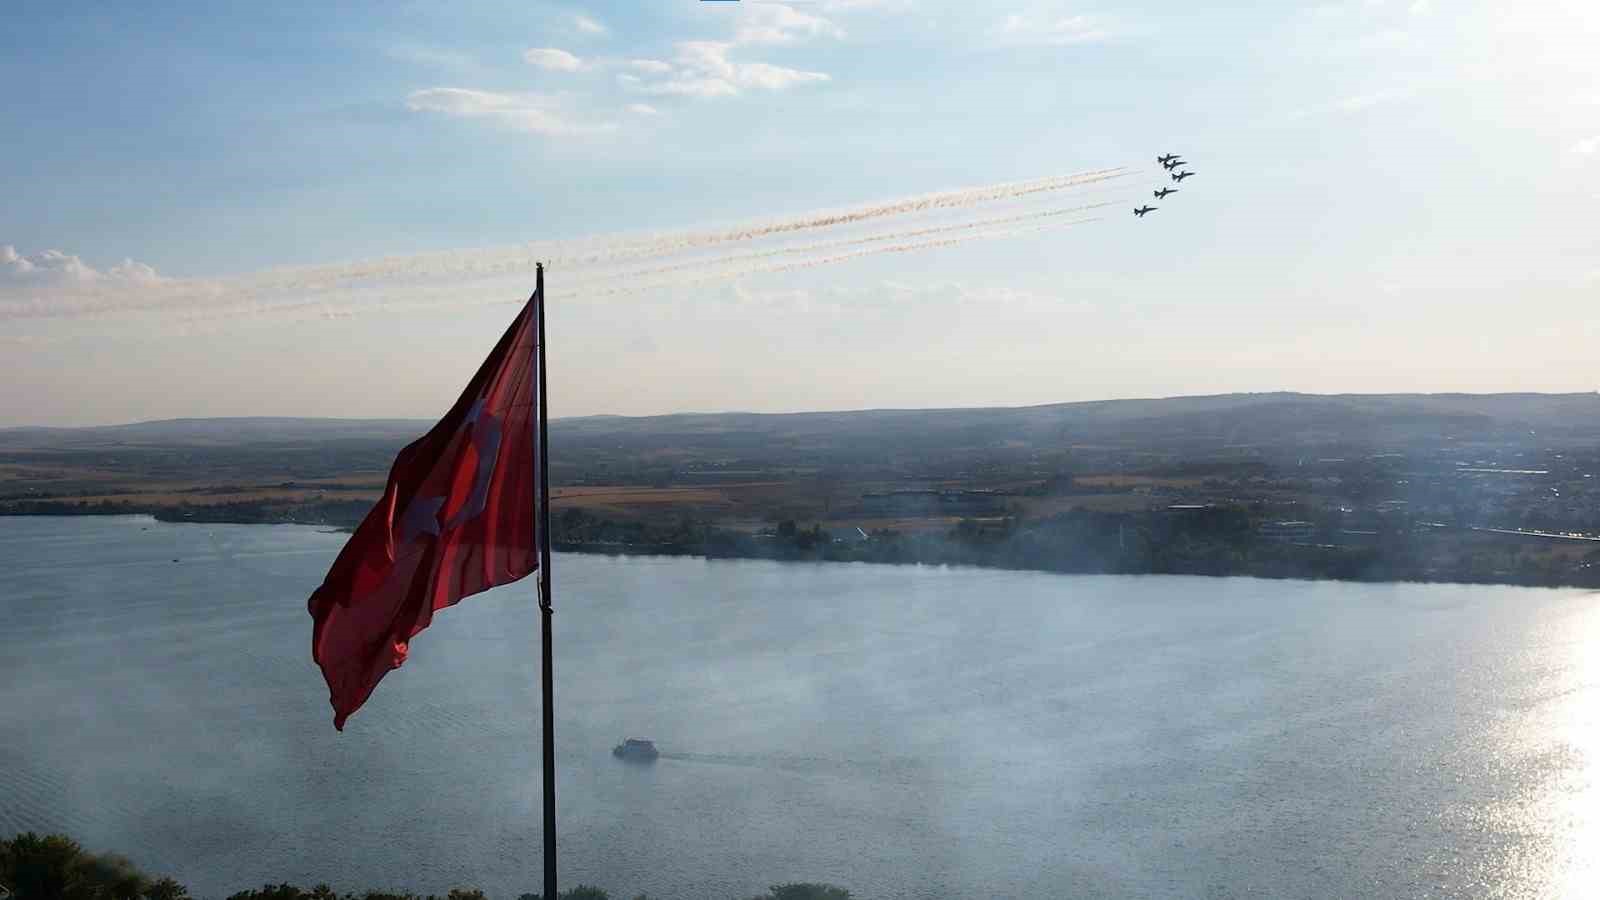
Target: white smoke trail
731 274
492 262
967 197
378 283
322 308
852 242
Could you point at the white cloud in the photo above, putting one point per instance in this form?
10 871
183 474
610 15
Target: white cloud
1587 146
1360 102
552 59
709 57
853 5
690 87
53 267
778 24
588 25
703 69
643 109
51 284
1387 39
773 78
520 112
1048 28
423 55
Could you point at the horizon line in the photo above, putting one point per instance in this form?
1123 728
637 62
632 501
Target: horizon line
806 412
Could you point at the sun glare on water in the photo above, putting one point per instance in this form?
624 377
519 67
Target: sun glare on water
1565 739
1576 800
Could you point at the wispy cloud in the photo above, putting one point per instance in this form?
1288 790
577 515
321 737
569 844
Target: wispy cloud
53 267
552 59
774 78
54 284
1367 27
778 24
1048 27
705 69
686 87
1386 39
699 69
859 5
710 68
1360 102
425 55
1588 146
534 113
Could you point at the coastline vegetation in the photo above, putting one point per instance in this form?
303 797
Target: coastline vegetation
1220 540
55 867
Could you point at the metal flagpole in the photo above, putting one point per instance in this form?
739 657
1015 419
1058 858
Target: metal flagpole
545 607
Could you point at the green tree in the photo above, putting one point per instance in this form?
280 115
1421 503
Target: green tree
391 895
41 868
111 877
581 892
804 891
283 891
165 889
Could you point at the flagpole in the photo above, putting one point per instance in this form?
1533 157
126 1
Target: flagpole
545 608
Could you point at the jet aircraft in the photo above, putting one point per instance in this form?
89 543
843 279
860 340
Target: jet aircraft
1166 159
1161 194
1142 210
1179 176
1172 163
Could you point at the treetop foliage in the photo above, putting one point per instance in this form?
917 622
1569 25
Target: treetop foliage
55 867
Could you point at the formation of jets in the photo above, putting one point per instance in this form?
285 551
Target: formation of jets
1170 162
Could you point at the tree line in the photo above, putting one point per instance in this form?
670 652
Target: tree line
55 867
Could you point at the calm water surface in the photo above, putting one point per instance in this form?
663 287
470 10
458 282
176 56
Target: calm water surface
906 732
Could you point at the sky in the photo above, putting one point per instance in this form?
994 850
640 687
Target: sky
333 209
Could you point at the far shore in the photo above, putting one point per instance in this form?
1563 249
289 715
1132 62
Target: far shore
1007 545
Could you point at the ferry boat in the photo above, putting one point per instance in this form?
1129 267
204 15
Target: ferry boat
636 750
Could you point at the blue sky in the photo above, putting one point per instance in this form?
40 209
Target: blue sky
1393 195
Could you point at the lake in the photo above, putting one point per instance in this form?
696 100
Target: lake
906 732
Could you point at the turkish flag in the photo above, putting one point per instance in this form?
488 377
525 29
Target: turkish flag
455 519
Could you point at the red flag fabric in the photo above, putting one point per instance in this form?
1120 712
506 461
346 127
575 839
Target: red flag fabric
455 519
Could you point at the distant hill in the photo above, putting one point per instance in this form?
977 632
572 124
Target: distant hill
1179 424
1479 488
1188 424
216 432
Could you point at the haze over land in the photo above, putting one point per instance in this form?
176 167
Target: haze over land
1427 487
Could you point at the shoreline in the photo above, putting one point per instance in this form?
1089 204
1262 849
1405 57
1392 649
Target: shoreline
976 547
